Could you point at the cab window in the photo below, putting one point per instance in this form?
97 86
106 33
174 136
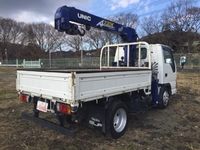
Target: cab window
143 53
168 57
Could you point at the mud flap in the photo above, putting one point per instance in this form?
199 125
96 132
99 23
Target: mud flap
96 118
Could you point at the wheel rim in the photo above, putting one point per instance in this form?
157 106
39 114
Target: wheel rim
120 120
165 98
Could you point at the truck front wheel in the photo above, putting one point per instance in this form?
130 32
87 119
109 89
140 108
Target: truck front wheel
163 97
117 119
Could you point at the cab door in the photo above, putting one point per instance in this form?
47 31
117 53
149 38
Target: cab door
169 68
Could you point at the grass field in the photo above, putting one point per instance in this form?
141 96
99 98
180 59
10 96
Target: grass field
176 127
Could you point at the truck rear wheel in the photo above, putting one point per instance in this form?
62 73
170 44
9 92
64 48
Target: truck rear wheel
117 119
163 98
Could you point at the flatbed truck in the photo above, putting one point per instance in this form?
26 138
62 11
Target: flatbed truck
103 97
133 76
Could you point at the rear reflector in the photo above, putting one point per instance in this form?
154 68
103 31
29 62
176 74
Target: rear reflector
24 98
66 109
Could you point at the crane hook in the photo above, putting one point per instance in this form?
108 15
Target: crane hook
81 31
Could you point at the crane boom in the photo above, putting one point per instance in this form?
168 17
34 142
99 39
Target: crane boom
67 17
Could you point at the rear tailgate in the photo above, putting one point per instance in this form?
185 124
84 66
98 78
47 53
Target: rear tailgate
45 84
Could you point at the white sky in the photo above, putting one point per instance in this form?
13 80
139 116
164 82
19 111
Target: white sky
36 10
43 10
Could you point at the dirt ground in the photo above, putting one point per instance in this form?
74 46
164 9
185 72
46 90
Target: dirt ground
175 128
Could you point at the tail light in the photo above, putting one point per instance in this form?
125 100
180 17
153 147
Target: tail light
24 98
63 108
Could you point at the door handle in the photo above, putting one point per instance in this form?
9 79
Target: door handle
165 74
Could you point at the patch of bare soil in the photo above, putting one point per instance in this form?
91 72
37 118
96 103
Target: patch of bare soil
176 127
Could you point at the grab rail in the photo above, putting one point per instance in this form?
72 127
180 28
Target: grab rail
106 51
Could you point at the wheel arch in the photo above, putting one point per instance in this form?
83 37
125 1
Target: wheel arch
125 97
168 86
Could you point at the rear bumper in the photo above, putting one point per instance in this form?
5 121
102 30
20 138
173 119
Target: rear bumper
50 125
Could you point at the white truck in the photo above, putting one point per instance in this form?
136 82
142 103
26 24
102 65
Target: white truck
103 97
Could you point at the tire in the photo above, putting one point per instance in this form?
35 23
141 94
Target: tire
163 99
116 119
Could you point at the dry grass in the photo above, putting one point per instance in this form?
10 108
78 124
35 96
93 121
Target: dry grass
176 127
189 80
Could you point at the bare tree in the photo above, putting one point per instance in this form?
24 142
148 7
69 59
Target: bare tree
44 36
194 19
74 42
127 19
151 25
178 15
28 35
95 38
10 31
181 19
194 26
53 39
176 27
36 37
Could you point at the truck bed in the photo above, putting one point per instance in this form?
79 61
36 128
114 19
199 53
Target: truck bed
81 85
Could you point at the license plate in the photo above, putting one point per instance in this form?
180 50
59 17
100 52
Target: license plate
42 106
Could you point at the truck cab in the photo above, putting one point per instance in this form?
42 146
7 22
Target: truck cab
161 56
